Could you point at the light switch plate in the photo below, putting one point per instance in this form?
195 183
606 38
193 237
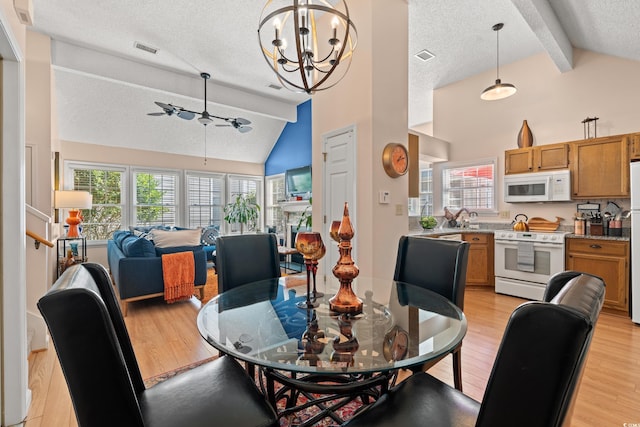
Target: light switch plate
384 197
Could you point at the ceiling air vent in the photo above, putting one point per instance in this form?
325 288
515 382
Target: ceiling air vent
424 55
146 48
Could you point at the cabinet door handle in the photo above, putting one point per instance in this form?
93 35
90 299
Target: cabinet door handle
595 246
476 238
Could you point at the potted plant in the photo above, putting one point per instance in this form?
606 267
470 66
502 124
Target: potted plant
243 210
306 218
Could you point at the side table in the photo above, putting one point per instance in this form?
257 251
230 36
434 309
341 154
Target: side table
69 251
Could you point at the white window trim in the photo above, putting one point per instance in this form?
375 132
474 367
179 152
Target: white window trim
438 169
201 174
259 197
180 198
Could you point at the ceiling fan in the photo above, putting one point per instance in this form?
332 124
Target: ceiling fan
205 118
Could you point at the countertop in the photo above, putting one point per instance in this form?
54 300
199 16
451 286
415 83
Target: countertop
443 231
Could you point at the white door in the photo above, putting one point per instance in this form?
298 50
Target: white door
339 187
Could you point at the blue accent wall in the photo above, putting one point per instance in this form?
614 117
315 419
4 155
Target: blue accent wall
293 148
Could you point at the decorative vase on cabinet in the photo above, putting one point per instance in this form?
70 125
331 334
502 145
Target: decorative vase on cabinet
525 137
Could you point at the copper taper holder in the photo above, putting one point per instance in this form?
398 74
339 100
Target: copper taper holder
345 300
308 303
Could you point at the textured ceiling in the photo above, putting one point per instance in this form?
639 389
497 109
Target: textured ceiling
105 89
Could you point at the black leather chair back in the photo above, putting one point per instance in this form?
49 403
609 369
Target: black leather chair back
436 264
246 258
93 347
540 360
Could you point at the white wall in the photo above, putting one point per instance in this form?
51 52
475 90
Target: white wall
553 104
373 97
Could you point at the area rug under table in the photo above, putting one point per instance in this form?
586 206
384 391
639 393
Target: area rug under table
345 412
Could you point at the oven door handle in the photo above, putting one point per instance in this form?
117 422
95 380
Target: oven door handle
535 244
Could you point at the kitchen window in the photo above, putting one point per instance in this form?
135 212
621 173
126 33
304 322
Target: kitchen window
470 185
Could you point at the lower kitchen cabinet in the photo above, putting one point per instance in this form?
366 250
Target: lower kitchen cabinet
480 268
608 259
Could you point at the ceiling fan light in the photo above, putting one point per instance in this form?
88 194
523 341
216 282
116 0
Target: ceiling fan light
204 120
498 91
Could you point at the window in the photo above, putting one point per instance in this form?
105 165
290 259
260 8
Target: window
469 185
107 185
274 216
423 205
205 200
155 198
250 186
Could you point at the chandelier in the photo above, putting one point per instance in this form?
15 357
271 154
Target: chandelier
309 44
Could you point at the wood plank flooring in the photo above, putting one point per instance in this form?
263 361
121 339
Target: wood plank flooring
165 337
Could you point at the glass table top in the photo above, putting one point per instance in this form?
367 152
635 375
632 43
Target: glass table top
401 325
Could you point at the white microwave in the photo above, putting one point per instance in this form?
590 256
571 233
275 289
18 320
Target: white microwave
552 186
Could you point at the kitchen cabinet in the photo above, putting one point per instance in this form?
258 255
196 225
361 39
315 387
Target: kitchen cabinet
600 168
634 146
608 259
480 265
537 159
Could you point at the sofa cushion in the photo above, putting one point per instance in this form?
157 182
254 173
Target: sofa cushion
174 249
166 239
133 246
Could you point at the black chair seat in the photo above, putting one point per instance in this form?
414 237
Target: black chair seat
217 393
420 400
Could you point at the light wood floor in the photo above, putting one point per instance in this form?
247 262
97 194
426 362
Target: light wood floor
165 337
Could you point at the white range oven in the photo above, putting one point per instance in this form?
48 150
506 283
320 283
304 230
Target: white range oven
524 261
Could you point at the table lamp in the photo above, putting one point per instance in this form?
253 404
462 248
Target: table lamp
74 201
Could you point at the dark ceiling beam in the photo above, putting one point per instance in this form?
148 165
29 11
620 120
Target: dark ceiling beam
545 24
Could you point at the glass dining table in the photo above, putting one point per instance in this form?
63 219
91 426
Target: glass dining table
316 357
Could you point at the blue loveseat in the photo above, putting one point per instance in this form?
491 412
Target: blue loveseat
135 265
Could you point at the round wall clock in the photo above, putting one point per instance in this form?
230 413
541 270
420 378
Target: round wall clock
395 159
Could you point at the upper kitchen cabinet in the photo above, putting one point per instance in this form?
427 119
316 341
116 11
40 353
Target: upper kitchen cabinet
634 146
600 167
536 159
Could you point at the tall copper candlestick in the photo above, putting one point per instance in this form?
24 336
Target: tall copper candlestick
345 301
314 267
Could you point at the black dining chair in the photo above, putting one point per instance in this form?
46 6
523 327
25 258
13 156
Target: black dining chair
440 266
103 377
246 258
535 375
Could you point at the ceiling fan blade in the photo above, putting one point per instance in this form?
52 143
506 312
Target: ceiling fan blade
223 126
244 129
164 106
157 114
186 114
242 121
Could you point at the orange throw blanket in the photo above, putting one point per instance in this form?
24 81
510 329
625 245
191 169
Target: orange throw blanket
178 272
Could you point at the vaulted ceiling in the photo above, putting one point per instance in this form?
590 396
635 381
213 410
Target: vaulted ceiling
105 86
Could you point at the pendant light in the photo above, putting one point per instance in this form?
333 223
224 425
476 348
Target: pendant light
499 90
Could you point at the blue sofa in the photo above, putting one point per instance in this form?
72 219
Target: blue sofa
135 265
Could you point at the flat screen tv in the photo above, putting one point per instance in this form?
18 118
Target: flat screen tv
298 181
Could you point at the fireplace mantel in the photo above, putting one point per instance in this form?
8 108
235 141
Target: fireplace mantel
297 206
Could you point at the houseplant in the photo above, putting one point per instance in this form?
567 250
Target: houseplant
243 211
306 218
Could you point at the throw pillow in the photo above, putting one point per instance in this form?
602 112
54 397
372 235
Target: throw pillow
134 246
165 239
119 236
209 235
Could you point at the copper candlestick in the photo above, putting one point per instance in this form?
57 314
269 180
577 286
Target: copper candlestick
308 243
314 267
345 301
